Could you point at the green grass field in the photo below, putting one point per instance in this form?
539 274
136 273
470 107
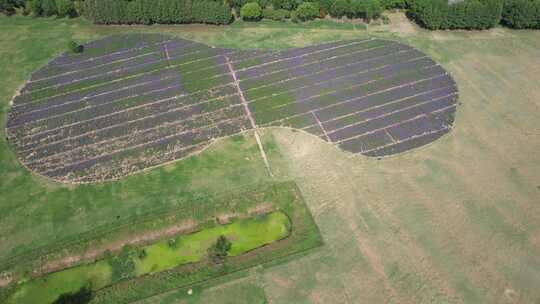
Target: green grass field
457 221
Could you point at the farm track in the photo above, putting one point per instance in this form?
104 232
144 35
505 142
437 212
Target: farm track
167 99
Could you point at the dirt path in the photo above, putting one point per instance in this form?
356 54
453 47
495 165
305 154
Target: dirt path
248 112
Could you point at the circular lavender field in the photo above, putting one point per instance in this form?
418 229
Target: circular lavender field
135 101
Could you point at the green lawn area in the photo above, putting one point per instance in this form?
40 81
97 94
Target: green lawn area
245 235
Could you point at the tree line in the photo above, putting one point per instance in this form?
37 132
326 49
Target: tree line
431 14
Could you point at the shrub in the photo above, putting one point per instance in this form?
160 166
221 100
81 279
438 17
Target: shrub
74 47
83 296
367 9
7 7
122 265
34 6
210 12
388 4
65 8
325 5
308 11
289 5
156 11
141 253
49 7
372 9
340 8
276 14
469 14
172 243
219 251
521 14
251 11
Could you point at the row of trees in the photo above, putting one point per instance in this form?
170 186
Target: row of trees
61 8
8 6
432 14
475 14
156 11
254 10
467 14
521 14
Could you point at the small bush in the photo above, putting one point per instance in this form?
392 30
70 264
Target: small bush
468 14
251 11
7 7
219 251
388 4
289 5
276 14
172 243
340 8
83 296
34 7
49 7
65 8
308 11
521 14
74 47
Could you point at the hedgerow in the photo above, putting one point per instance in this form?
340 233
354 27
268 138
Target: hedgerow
156 11
521 14
468 14
307 11
251 11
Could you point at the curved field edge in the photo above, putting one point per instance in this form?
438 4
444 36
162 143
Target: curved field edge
244 234
90 164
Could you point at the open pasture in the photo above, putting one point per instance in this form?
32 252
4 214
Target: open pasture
130 102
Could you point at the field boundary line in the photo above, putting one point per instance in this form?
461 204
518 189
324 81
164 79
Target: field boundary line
248 112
